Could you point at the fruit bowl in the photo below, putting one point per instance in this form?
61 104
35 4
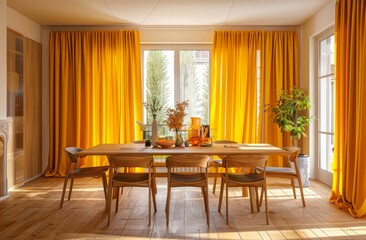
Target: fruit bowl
167 143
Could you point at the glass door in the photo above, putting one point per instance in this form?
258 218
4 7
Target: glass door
326 99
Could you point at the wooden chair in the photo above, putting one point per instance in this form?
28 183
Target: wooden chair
248 178
218 162
186 178
128 179
73 171
287 171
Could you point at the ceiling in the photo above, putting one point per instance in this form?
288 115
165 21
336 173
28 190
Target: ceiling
168 12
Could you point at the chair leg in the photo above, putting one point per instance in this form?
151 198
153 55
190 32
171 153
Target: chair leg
215 179
266 202
109 204
252 200
221 194
261 198
207 205
104 178
301 191
150 193
117 198
153 193
153 185
168 204
70 191
227 203
293 187
63 191
203 190
257 199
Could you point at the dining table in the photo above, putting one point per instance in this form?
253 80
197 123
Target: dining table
211 150
214 149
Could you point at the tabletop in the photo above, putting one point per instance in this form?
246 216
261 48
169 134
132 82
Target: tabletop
215 149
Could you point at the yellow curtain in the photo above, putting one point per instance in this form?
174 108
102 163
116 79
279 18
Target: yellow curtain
233 79
236 110
279 71
95 92
349 166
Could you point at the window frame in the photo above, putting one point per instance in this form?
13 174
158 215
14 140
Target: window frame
322 175
176 48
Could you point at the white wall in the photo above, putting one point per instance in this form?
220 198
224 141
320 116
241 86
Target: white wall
23 25
309 31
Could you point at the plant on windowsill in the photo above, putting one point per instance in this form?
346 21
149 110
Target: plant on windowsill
290 113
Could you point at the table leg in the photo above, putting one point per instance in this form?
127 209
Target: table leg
244 192
253 199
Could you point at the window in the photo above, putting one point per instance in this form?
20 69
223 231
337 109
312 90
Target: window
326 100
175 75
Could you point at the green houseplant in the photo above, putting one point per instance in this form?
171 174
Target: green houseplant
290 113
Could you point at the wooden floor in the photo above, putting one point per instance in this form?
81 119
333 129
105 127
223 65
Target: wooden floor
32 212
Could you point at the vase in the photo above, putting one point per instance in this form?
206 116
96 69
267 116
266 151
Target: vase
178 139
154 133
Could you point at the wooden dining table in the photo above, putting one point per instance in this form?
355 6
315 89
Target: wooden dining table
214 150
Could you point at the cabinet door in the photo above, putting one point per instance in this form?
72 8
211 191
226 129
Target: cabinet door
15 106
32 108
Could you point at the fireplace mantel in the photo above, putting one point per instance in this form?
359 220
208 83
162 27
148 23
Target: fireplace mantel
4 136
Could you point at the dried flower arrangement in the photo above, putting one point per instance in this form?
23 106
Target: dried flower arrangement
154 107
175 116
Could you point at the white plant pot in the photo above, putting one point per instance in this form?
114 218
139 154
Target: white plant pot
304 168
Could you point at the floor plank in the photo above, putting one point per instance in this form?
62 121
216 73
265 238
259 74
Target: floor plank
32 212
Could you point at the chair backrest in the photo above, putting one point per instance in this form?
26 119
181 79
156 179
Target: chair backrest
293 153
70 153
201 161
245 161
142 161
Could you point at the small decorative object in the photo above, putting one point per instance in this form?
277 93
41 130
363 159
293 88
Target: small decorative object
195 131
144 129
175 118
154 133
166 143
154 107
186 143
178 139
147 143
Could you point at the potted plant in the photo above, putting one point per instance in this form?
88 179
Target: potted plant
290 113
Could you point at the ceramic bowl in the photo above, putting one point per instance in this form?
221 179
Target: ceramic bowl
167 143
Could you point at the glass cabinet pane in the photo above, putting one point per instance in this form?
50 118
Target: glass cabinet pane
15 103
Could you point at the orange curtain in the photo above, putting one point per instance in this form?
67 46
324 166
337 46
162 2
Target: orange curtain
238 93
95 92
349 178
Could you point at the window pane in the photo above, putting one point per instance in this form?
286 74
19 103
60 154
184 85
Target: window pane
326 103
176 75
194 83
326 151
326 56
159 81
326 100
